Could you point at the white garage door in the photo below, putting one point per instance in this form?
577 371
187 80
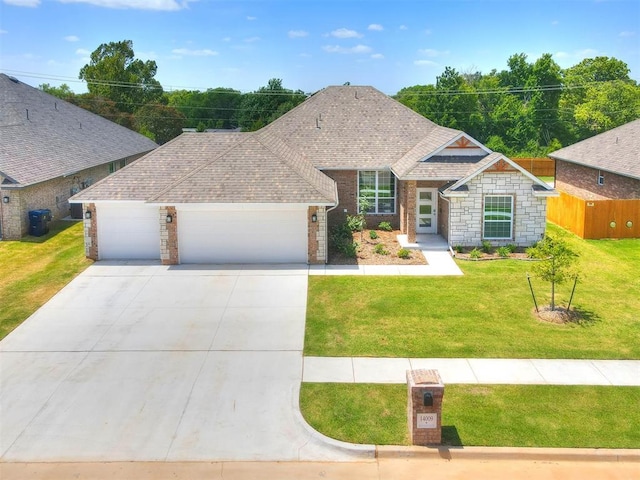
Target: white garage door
128 231
260 236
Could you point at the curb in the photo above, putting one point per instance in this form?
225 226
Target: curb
510 453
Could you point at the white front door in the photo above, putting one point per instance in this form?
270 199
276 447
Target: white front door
426 210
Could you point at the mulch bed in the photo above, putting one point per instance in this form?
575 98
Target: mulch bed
559 315
366 254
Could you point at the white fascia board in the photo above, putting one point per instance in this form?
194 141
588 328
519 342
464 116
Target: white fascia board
235 207
545 193
453 140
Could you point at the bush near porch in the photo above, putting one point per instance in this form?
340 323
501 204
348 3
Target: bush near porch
485 313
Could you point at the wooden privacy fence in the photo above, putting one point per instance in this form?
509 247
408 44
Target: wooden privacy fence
540 167
593 219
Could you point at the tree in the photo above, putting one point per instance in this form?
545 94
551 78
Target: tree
116 74
263 106
609 105
160 123
63 91
557 262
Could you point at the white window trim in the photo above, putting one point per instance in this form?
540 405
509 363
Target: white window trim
376 198
484 220
600 178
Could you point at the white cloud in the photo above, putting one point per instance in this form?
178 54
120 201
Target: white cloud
376 27
404 27
23 3
377 56
297 34
627 34
226 39
587 52
305 55
251 19
83 51
71 38
561 55
3 32
194 53
428 32
555 22
339 49
345 33
160 5
252 39
425 63
430 52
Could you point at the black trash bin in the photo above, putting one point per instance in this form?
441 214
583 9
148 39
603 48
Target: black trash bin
39 222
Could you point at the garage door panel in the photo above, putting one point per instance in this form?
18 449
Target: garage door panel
278 236
128 232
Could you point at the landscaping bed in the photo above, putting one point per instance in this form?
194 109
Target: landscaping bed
387 246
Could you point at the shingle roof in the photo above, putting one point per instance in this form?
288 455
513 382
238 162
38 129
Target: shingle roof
616 151
43 137
356 127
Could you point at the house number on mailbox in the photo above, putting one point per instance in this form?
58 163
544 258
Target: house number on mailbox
427 420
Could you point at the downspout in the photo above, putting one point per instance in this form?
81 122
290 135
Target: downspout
326 223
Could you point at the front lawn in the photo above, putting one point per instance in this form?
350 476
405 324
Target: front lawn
33 269
488 312
481 415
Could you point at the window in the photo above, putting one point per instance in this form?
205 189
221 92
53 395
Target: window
600 178
498 217
123 163
379 188
112 167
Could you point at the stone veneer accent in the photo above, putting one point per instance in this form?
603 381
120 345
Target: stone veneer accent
317 243
169 236
616 187
465 213
90 231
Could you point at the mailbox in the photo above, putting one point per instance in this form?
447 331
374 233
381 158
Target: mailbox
427 399
425 391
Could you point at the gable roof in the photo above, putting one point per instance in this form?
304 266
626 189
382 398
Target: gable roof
44 137
615 151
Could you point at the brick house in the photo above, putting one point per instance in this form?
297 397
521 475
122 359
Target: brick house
599 181
271 195
50 150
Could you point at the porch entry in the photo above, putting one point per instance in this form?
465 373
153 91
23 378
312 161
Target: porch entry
426 210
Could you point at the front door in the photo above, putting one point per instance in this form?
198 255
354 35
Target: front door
426 210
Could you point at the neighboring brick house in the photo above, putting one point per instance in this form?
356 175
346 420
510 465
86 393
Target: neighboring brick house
603 174
271 195
50 150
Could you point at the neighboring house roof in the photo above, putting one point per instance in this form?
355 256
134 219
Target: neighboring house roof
615 151
44 137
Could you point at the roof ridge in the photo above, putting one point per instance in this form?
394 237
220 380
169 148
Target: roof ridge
196 170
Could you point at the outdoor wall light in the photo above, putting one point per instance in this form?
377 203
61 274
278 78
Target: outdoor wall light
314 218
6 199
87 214
169 218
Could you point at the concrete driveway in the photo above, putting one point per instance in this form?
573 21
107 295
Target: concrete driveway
149 362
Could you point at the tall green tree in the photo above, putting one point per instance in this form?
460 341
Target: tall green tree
160 123
608 105
263 106
116 74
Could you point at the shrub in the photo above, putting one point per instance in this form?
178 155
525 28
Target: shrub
386 226
475 253
373 234
355 223
459 248
404 253
512 248
349 249
504 251
487 247
380 250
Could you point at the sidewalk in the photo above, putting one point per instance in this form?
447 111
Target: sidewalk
474 370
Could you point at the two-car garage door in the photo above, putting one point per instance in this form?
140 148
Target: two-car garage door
205 235
243 236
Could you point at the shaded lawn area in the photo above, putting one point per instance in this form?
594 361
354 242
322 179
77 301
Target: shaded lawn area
34 269
481 415
488 312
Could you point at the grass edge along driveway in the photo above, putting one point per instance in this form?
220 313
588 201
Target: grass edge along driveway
34 269
487 313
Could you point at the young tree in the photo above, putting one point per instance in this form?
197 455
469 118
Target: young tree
557 262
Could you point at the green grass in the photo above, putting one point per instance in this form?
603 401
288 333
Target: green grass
488 312
481 415
33 269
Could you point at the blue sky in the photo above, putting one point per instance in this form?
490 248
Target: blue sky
311 44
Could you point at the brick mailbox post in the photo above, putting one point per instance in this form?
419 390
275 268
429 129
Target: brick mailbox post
424 409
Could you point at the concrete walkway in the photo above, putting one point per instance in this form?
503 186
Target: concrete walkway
474 370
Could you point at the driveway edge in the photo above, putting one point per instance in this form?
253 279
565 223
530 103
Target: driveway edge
510 453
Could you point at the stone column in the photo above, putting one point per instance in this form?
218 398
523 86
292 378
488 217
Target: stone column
411 210
169 236
90 231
